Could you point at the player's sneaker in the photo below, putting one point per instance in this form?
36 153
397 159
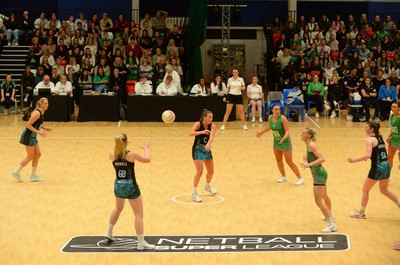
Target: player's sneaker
260 120
196 197
210 190
333 115
357 214
110 238
317 114
329 229
17 176
245 127
299 182
281 179
253 119
145 245
222 128
35 179
333 218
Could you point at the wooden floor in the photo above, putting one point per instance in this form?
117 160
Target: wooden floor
37 219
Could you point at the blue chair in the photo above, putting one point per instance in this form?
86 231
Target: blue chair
310 102
295 105
263 111
275 97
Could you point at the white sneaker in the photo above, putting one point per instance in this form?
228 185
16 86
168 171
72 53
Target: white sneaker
210 190
5 113
253 119
145 245
222 128
35 179
282 179
9 44
329 229
327 107
317 114
333 115
245 127
17 176
26 98
260 120
333 218
110 238
196 197
299 181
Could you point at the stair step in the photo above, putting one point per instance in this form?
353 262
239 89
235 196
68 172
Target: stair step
12 60
19 51
7 55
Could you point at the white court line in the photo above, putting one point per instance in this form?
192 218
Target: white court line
221 199
178 138
316 124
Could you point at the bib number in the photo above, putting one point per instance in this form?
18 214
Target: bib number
122 174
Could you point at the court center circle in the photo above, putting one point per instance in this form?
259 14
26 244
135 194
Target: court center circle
175 199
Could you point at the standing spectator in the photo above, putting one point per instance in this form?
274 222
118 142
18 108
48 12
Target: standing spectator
386 96
369 94
117 85
176 79
13 27
27 84
159 21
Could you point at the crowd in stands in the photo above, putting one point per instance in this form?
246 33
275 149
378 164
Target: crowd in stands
95 51
339 61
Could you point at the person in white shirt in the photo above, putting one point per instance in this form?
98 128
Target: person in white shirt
143 87
46 83
255 94
63 86
176 79
329 71
234 97
199 88
323 48
217 86
167 87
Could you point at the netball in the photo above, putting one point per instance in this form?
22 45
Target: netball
168 116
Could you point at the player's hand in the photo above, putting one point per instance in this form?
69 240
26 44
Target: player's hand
259 134
146 145
207 132
304 165
224 99
388 140
47 129
304 158
42 133
351 160
208 147
2 100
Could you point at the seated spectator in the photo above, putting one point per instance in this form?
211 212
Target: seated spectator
93 32
171 45
157 56
336 23
74 65
26 27
39 75
63 87
333 43
200 88
159 21
146 43
88 55
91 45
63 35
44 84
387 44
326 58
27 84
131 61
41 19
328 70
352 84
369 95
315 93
95 22
276 26
335 90
176 79
146 69
176 65
50 46
121 24
315 65
296 83
388 69
344 69
132 45
167 87
395 81
364 52
60 68
75 45
386 96
7 93
122 69
79 37
146 18
159 72
54 77
354 60
106 24
120 45
12 25
176 35
103 64
42 33
217 86
352 48
85 80
302 68
388 23
366 33
44 64
255 95
282 43
87 65
50 58
143 87
329 33
100 80
312 52
62 52
351 23
283 60
81 19
393 32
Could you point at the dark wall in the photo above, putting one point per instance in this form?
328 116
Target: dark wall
7 6
178 8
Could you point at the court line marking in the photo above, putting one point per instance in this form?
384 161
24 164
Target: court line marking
315 123
221 199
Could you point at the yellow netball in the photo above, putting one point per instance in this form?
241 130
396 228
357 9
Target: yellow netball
168 116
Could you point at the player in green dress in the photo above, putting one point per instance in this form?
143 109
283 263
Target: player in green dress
279 125
394 137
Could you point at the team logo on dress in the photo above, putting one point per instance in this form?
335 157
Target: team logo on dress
215 243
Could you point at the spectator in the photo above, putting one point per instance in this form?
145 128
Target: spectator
176 80
117 85
60 68
176 65
44 84
157 56
7 93
364 52
147 19
388 23
176 35
159 21
344 68
54 77
27 84
91 45
85 80
352 48
329 33
171 55
46 66
143 87
159 72
132 45
352 84
121 24
87 65
26 27
324 24
335 90
281 44
386 96
100 80
146 69
122 69
55 21
159 44
95 22
130 29
321 49
382 60
386 44
63 87
336 23
312 24
276 26
39 75
315 93
50 58
369 96
393 32
200 88
12 25
73 64
41 19
388 69
62 52
376 23
217 86
283 60
351 23
167 87
333 43
82 20
106 23
366 32
103 63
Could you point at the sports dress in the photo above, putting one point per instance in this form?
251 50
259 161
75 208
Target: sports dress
199 146
278 132
28 137
395 129
380 168
319 173
125 185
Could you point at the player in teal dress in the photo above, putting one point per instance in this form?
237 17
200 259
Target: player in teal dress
279 125
394 137
380 168
125 187
314 160
29 140
204 132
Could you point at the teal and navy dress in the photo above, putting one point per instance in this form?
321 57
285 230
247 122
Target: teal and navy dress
380 168
125 185
28 137
199 146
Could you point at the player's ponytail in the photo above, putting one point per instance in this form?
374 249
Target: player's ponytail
120 146
375 126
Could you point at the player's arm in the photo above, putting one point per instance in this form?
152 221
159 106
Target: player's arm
112 156
285 123
195 127
369 143
212 134
34 116
267 128
145 158
313 148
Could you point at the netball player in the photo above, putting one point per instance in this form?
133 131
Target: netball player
394 137
282 144
204 131
234 97
380 168
314 160
126 187
29 139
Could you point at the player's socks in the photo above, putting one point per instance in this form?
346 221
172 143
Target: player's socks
33 171
18 169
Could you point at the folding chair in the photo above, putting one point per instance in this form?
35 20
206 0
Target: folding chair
293 105
275 97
